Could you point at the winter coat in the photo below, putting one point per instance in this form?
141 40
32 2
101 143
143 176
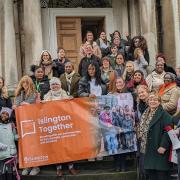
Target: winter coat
58 67
5 102
56 95
84 63
158 137
169 97
74 84
84 88
44 86
155 80
7 139
21 98
130 54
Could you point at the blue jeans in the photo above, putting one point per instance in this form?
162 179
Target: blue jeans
112 143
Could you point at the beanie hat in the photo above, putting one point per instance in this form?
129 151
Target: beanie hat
6 109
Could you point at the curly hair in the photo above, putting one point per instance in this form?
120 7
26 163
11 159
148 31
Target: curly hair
30 90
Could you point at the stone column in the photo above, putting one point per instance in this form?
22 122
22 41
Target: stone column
148 26
120 13
134 18
32 32
8 60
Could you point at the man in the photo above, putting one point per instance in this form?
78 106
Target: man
88 59
58 64
69 80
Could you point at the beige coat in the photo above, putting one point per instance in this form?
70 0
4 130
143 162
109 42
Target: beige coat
169 99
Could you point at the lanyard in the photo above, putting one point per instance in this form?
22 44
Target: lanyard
37 85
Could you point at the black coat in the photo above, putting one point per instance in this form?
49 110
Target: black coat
83 65
84 88
158 137
169 69
5 102
58 67
44 86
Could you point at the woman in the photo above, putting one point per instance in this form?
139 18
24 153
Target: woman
89 39
155 143
40 80
140 62
106 70
46 63
103 43
137 79
169 93
57 93
26 94
120 159
142 105
5 101
128 71
59 63
156 78
142 100
138 42
91 84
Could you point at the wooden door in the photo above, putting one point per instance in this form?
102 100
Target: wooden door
69 37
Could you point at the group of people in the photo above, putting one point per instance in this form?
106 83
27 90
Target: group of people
106 67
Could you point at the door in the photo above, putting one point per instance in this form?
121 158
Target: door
69 37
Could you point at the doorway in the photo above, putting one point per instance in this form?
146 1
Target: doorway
71 32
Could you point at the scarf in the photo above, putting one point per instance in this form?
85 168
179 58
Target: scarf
144 127
56 95
47 67
69 80
166 86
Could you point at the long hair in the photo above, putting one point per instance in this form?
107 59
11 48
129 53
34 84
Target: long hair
125 70
120 53
19 89
114 89
97 73
4 90
85 38
41 60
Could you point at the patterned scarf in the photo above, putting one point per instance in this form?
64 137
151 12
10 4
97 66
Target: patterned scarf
144 127
69 79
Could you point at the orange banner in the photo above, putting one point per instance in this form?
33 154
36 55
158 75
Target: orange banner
56 132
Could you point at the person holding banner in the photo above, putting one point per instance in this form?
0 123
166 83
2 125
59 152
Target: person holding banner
120 159
57 93
155 142
25 94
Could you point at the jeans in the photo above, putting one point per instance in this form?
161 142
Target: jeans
112 143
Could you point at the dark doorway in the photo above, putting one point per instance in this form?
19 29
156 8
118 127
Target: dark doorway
94 24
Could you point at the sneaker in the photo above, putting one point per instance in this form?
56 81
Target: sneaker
34 171
26 171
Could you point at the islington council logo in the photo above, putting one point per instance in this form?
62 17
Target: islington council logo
28 127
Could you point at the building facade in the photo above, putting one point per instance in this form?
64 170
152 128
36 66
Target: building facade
29 26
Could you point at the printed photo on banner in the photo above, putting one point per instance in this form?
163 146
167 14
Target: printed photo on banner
116 120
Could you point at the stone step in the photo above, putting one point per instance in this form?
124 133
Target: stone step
85 175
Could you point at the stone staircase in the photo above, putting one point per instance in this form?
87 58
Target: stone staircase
97 170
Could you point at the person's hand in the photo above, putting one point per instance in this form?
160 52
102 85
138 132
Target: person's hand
161 150
126 34
14 107
24 103
92 96
177 132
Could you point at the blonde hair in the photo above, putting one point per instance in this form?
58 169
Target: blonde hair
155 93
125 70
30 84
136 53
4 90
145 87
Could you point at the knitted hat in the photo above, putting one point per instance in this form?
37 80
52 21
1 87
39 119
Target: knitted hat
54 80
6 109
